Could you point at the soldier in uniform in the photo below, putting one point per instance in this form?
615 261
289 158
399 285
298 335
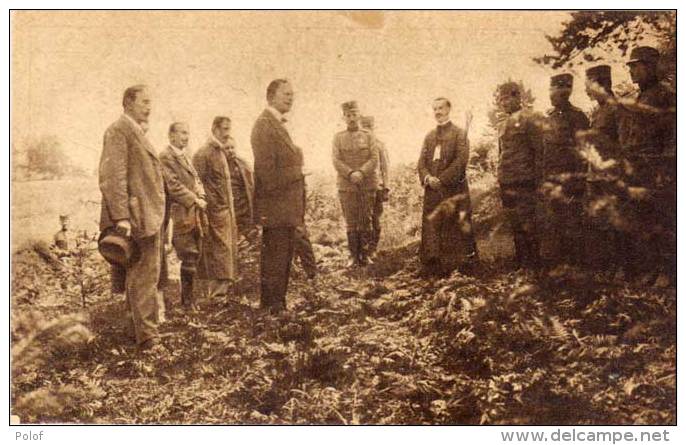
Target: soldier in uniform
355 157
562 166
382 191
64 239
647 136
447 241
187 196
604 130
603 135
520 148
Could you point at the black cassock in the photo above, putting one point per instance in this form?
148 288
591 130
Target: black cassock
447 240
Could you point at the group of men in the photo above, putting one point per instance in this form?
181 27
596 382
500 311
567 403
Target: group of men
540 167
214 198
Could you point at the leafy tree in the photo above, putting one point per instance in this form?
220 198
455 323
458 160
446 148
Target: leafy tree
613 33
46 158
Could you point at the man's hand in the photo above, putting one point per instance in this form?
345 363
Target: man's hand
201 203
433 182
124 226
356 177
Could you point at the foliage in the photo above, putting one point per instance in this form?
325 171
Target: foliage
612 32
43 158
372 346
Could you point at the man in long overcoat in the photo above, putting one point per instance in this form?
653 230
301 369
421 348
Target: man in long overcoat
279 193
133 202
218 259
447 240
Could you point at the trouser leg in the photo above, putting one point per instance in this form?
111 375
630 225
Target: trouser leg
275 263
141 288
376 221
303 250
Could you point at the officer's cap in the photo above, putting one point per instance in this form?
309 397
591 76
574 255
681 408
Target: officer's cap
600 74
645 54
367 121
562 80
350 106
64 218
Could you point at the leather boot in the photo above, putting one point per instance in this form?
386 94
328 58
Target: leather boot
363 248
187 289
353 247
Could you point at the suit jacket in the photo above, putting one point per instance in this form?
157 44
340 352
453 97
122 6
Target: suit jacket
130 179
450 164
183 188
279 180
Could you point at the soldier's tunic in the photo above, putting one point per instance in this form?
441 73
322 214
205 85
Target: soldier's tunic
647 136
520 148
562 237
602 240
447 243
381 194
356 150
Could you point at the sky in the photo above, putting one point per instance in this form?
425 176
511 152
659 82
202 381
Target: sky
69 70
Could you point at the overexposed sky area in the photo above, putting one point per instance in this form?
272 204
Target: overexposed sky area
70 69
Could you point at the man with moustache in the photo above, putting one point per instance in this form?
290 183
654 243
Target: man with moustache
520 148
133 204
562 231
447 241
219 255
355 158
279 193
187 196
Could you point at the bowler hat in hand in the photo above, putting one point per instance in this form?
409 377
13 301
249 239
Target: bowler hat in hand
117 248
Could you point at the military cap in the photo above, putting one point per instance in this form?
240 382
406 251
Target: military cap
509 89
646 54
562 80
349 106
367 121
600 74
64 218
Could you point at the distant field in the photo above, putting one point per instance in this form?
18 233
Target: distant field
36 206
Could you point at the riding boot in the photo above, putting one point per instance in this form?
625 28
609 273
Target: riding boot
187 289
353 247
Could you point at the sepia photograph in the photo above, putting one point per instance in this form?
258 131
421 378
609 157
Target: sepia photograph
343 217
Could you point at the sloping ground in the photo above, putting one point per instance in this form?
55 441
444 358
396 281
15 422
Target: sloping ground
378 346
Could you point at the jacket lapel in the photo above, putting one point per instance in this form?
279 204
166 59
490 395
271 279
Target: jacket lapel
183 162
141 137
281 130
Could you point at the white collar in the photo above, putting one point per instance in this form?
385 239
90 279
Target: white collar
277 114
216 141
177 151
441 124
135 124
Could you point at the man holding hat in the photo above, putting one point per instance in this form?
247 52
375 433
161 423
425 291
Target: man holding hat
647 136
382 191
132 211
520 147
188 204
447 241
356 157
562 229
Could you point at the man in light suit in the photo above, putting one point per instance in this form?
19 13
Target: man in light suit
279 193
133 201
187 197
